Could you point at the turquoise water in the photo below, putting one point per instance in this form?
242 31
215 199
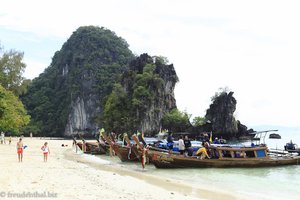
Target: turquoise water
263 183
276 183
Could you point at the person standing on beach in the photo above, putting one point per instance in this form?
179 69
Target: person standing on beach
170 143
20 150
181 145
188 145
46 151
9 140
2 138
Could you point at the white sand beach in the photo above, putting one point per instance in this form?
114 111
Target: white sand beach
68 175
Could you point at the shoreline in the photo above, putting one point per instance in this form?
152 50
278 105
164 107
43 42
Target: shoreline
73 176
168 184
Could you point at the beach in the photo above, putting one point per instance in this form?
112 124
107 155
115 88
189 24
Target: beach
70 175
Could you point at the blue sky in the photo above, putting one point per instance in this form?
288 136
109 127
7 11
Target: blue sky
251 47
38 50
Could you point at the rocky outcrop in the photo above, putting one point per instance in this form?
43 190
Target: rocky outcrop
157 96
164 101
68 96
93 76
82 114
221 116
71 95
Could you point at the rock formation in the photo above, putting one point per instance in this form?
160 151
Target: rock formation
68 97
71 95
221 116
149 89
163 97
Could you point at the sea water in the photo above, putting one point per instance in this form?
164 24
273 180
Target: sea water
266 183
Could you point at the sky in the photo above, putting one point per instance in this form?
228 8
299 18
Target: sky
250 47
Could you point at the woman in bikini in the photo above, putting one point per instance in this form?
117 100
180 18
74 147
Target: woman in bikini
46 151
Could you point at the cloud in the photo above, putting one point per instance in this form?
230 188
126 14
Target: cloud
34 68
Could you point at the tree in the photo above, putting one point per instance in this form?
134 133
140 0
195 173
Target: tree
116 112
222 91
198 121
13 115
176 121
11 69
160 59
145 86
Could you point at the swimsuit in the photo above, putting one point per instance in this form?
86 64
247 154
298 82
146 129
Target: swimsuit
20 150
45 150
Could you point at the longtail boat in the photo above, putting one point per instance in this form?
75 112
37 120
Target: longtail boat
133 152
90 147
146 152
125 153
225 157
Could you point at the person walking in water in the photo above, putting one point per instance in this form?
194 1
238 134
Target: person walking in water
46 151
20 150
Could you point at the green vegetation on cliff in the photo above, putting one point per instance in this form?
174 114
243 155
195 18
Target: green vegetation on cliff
176 121
80 76
117 114
142 97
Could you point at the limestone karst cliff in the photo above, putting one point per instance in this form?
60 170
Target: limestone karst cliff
161 89
221 116
73 95
145 94
68 96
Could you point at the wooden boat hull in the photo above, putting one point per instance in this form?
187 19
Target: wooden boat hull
132 153
126 153
135 154
172 161
93 148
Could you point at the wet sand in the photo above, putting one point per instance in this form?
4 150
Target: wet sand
68 175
